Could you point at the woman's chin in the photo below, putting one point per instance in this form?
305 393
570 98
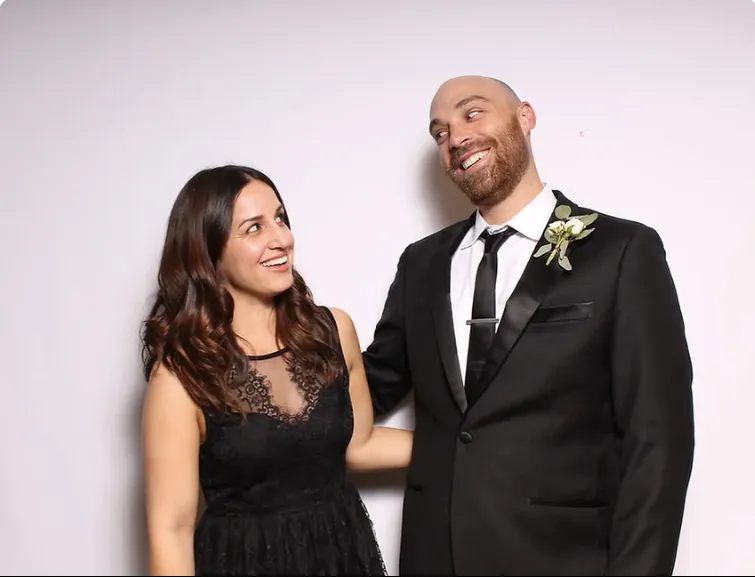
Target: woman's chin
280 285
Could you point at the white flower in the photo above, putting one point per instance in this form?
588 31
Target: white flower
575 226
557 227
560 234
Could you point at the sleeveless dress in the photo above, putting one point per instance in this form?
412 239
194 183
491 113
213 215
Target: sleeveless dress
278 498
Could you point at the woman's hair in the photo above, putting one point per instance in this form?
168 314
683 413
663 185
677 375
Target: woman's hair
188 329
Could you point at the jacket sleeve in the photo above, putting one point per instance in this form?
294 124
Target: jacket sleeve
653 407
385 359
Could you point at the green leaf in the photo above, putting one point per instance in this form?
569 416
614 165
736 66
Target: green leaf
563 247
545 249
562 211
550 236
588 219
564 262
584 233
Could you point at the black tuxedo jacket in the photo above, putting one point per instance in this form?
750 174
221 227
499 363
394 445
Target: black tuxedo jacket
573 455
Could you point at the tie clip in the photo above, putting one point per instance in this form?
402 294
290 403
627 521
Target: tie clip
483 321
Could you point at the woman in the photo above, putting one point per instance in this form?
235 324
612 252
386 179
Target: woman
256 395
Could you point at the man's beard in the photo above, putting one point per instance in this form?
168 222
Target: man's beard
505 169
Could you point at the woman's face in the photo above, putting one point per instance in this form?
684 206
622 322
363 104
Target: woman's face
258 257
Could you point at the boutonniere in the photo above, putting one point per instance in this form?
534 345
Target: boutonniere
559 234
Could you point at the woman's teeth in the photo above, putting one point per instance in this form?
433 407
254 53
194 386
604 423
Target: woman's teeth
276 261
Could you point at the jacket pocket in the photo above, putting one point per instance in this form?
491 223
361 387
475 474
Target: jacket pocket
561 313
568 502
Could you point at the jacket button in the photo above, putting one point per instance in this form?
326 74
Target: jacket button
465 437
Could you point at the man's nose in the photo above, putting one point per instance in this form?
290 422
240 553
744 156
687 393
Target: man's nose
458 138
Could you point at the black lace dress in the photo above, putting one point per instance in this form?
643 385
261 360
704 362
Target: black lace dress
277 494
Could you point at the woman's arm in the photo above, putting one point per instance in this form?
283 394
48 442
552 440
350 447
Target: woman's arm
171 438
371 448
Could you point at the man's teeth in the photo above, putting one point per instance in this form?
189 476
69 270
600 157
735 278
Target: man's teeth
474 158
276 261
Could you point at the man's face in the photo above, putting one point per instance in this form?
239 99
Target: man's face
480 139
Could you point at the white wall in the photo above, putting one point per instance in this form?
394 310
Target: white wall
645 110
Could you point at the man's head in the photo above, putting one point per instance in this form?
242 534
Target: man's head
482 132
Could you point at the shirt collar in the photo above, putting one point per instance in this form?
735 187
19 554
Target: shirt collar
529 222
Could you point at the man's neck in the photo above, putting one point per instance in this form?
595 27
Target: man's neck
527 189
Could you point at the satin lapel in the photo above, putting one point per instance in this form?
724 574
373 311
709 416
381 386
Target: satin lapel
439 292
536 280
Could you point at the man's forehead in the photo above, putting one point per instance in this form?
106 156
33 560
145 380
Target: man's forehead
455 91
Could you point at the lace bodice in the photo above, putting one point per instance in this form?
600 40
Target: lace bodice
291 447
279 388
279 501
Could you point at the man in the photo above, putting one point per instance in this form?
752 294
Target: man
553 435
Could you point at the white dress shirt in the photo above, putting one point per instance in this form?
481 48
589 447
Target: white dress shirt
513 257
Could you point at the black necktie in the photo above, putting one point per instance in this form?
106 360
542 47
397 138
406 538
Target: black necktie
482 325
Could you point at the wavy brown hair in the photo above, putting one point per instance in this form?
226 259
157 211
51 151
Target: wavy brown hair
188 329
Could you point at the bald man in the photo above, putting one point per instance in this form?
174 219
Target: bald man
546 350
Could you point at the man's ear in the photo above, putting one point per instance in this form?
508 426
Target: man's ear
527 117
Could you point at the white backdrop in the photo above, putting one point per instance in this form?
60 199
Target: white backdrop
645 110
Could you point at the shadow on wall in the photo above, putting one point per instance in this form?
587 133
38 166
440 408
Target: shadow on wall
138 561
445 203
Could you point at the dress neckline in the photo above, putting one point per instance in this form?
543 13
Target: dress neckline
266 356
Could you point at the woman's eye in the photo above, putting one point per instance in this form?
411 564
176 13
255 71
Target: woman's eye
253 228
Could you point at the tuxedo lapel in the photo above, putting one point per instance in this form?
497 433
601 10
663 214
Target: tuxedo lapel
440 296
536 280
